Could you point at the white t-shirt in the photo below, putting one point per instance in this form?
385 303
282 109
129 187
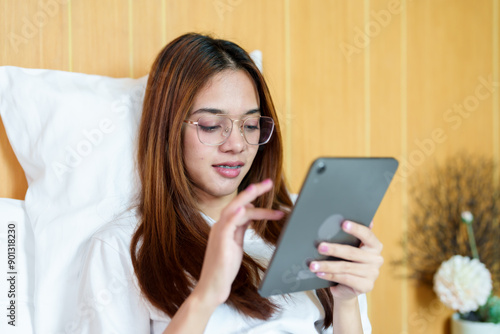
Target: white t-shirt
110 300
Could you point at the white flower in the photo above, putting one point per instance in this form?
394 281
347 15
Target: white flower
462 284
467 217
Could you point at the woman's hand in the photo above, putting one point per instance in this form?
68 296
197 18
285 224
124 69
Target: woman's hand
225 243
358 273
222 260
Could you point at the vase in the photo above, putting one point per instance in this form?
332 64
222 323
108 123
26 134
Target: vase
459 326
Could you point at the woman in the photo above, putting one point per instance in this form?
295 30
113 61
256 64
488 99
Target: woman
212 203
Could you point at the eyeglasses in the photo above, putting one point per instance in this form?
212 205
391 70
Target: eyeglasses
214 130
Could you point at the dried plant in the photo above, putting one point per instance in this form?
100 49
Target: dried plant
464 182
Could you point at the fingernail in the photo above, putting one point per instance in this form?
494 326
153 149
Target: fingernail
267 181
314 266
371 224
347 225
320 274
323 248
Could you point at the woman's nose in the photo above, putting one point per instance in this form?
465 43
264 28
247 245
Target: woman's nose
236 140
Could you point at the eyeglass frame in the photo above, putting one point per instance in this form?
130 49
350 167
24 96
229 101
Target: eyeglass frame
242 132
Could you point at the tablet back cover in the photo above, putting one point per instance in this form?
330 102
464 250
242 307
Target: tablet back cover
336 189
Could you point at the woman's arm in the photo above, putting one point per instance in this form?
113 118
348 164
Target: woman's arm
222 260
192 316
346 317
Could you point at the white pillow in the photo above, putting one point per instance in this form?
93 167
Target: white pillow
17 262
74 135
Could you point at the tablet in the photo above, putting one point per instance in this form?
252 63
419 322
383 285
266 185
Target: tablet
335 189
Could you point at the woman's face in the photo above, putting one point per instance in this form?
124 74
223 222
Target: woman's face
217 171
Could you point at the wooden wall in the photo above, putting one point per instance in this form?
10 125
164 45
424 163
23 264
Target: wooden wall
394 89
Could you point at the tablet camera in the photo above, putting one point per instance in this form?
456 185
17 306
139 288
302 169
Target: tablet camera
321 167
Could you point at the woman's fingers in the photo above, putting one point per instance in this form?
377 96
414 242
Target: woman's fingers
239 233
359 268
261 214
363 233
248 195
356 284
350 253
244 202
360 277
244 215
236 217
326 269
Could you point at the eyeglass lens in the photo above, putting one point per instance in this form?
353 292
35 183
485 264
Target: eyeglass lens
214 129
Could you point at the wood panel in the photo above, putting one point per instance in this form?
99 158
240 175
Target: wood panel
383 73
100 38
147 35
327 105
457 102
13 183
34 34
496 94
449 107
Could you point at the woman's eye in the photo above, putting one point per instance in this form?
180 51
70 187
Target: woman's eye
206 128
251 127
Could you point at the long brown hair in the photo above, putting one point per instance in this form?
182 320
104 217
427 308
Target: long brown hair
170 222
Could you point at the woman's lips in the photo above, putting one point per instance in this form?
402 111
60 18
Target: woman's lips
229 170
